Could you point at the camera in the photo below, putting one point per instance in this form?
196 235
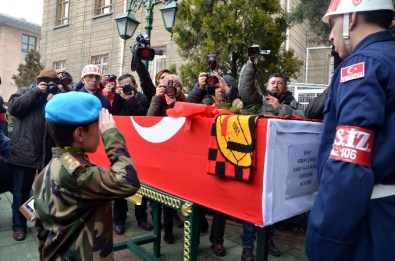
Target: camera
128 89
142 50
255 51
112 78
211 79
52 88
65 80
170 89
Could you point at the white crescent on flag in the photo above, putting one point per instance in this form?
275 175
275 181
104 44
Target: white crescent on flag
166 128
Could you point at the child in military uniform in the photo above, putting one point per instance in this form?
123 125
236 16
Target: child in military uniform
72 197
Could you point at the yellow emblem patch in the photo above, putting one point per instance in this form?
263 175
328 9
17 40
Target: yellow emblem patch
235 138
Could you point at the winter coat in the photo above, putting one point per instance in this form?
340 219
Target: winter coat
250 95
136 106
30 142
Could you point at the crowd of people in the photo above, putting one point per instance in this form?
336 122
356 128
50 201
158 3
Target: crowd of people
76 200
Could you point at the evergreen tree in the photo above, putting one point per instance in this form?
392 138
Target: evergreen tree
227 29
312 11
29 70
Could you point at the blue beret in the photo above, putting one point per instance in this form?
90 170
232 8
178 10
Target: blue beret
73 108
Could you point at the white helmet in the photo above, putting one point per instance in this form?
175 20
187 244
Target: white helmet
90 69
351 6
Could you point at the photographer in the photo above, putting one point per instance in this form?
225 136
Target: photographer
224 90
30 148
107 86
129 102
66 81
213 89
169 90
276 99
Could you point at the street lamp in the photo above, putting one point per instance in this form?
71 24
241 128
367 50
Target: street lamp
127 23
169 15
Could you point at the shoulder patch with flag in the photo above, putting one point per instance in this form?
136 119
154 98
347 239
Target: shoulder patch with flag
353 72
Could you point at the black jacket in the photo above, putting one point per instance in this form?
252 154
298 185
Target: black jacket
315 107
146 83
136 106
30 142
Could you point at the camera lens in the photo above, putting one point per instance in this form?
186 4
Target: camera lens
127 89
170 91
211 80
65 80
52 88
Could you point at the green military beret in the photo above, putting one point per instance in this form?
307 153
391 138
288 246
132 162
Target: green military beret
73 108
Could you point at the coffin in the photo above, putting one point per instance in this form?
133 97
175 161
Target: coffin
171 154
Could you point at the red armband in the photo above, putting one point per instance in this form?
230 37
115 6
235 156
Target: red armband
353 144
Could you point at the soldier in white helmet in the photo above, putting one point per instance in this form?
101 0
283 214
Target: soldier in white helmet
353 217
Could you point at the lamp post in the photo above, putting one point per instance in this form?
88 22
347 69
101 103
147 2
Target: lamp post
127 23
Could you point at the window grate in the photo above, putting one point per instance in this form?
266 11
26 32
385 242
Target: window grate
101 61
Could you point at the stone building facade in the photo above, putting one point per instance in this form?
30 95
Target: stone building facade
76 33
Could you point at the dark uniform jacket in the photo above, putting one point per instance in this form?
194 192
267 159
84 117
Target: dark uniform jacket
344 223
72 200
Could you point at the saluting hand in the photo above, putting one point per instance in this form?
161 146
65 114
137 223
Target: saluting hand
106 121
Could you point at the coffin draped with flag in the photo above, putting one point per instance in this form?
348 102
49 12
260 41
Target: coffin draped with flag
173 155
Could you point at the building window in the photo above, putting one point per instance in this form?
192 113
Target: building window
103 7
159 62
62 17
101 61
59 66
28 43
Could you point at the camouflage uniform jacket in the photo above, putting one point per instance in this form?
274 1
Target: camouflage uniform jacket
73 197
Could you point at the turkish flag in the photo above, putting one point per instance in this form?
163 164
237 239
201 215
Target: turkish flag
352 72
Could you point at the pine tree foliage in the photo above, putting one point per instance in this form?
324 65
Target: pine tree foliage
29 70
312 11
227 28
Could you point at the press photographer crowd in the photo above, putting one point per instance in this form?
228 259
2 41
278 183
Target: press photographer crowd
78 206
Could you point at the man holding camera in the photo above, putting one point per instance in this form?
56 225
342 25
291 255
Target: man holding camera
213 89
168 92
66 81
30 148
108 85
274 100
129 102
